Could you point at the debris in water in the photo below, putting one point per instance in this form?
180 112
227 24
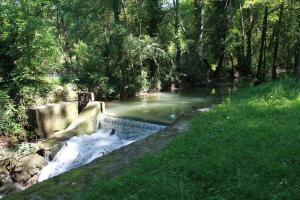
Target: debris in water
113 131
173 117
203 110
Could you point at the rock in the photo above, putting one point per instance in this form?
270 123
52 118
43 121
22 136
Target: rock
256 83
66 93
203 110
27 168
19 167
4 176
6 183
8 188
173 117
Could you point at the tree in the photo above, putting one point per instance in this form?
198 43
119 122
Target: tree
297 65
176 4
219 27
260 66
155 16
252 18
277 36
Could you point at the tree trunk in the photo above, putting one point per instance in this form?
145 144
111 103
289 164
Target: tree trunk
297 61
176 4
240 56
155 19
232 71
222 48
276 47
199 13
220 61
125 12
298 65
116 4
57 5
260 66
248 59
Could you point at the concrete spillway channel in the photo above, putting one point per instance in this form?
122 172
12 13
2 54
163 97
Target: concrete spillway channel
110 164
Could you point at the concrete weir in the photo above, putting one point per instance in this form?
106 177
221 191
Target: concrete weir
48 119
54 125
105 167
99 151
76 116
86 123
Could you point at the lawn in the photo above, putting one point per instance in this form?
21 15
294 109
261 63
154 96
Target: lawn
248 147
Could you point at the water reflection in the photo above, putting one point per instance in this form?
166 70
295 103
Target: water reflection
165 107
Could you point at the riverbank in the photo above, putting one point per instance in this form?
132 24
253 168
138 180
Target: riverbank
245 148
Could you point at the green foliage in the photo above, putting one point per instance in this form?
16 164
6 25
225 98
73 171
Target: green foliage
8 125
30 54
240 150
101 86
120 48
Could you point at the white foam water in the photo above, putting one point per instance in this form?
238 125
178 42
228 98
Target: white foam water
82 150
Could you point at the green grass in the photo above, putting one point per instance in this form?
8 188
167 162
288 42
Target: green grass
246 148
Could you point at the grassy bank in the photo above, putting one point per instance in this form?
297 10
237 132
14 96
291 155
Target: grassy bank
246 148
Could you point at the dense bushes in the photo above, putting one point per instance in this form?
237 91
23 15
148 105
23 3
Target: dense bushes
117 49
8 124
126 72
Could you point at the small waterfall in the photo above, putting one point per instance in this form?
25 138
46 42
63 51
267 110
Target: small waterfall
81 150
108 122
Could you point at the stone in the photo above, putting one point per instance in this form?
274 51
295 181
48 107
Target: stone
65 93
4 175
27 167
8 188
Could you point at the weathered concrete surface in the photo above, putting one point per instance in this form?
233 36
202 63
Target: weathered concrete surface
85 123
104 167
51 118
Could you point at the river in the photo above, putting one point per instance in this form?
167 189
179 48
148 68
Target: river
165 107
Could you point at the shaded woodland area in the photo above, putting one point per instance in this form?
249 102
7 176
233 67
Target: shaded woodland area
119 48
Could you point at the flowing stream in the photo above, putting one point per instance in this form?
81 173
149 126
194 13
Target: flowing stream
113 134
121 130
165 107
118 127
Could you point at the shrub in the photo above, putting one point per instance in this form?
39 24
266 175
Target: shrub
8 125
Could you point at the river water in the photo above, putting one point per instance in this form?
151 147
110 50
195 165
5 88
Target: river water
113 134
120 127
166 107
